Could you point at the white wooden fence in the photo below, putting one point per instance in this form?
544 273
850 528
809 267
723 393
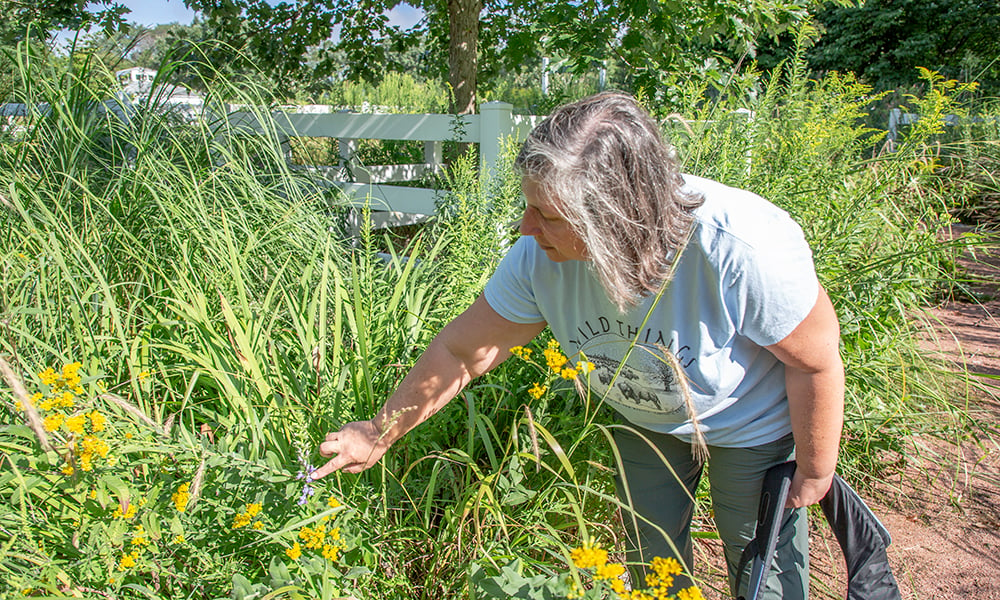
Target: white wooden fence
371 185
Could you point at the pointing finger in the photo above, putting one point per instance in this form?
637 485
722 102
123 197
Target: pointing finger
333 465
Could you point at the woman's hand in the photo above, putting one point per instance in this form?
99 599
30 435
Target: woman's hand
356 447
806 491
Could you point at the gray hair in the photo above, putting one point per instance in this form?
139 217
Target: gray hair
617 185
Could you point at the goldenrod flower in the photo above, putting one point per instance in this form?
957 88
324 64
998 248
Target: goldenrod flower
313 537
333 502
537 391
554 359
258 525
75 423
244 518
86 462
48 376
97 421
330 552
179 539
691 593
609 571
294 552
662 577
53 422
181 497
129 513
67 469
588 557
128 560
568 373
139 537
521 352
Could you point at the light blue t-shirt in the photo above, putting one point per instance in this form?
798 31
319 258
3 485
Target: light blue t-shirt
745 280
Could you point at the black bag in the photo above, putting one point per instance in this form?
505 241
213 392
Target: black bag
862 537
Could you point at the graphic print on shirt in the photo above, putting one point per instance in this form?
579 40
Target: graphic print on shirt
646 383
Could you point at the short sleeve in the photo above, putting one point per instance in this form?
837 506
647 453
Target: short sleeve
510 291
775 285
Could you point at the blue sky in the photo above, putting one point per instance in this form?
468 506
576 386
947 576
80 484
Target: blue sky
156 12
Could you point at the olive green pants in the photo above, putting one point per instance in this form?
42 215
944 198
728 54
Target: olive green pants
661 525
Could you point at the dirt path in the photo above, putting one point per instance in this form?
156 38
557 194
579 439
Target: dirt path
943 509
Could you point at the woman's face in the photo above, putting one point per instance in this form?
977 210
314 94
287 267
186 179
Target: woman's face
543 222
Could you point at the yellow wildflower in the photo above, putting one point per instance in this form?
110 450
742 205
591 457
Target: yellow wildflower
588 557
568 373
667 566
313 537
691 593
258 525
609 571
244 518
179 539
48 376
75 423
553 344
68 469
129 513
66 400
294 552
181 497
36 397
53 422
584 367
521 352
662 577
97 421
92 495
86 462
634 595
554 359
330 552
537 391
139 537
128 560
333 502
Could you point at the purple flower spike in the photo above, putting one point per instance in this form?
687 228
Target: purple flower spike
305 473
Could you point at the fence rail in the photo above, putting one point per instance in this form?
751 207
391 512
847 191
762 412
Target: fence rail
371 185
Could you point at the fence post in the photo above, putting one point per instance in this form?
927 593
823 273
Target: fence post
496 122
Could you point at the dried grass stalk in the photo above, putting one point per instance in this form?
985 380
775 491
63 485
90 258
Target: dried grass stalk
196 483
133 410
30 413
699 447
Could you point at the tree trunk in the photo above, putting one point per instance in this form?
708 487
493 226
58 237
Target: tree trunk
463 46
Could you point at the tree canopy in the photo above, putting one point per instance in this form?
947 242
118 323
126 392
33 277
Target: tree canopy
46 16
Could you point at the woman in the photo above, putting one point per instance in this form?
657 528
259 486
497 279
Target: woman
629 262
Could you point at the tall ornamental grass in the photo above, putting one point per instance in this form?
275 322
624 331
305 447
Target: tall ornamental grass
182 322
